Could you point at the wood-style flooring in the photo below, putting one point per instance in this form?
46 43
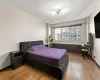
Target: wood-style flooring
78 69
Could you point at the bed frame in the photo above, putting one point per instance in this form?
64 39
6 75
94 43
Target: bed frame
55 71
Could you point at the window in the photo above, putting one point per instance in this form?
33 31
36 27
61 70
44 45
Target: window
67 33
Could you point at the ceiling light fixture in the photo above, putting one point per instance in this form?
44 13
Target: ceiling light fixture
58 10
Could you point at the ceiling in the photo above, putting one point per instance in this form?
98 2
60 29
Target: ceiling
42 9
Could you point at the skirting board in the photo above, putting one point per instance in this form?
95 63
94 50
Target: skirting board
96 62
5 68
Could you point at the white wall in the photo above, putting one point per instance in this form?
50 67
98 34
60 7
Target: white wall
17 26
96 51
48 31
84 31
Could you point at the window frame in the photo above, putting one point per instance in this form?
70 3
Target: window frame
53 34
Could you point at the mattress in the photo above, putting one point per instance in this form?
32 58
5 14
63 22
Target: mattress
51 56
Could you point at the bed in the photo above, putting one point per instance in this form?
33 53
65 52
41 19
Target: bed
54 65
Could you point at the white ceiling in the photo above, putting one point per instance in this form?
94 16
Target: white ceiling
43 8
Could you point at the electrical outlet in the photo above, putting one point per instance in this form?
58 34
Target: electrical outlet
94 56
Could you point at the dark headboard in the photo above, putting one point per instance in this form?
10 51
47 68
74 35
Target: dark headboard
25 45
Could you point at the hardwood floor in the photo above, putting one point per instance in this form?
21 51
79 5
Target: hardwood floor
78 69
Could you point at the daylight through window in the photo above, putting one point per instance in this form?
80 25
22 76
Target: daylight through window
67 33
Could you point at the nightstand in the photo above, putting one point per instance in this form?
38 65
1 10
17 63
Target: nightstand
46 45
17 59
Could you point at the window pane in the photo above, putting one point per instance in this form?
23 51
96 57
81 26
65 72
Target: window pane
57 30
65 33
75 33
75 37
57 36
57 33
75 29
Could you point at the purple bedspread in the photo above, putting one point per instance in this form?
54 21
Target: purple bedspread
48 55
47 52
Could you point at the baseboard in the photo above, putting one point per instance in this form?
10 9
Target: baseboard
5 68
96 62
